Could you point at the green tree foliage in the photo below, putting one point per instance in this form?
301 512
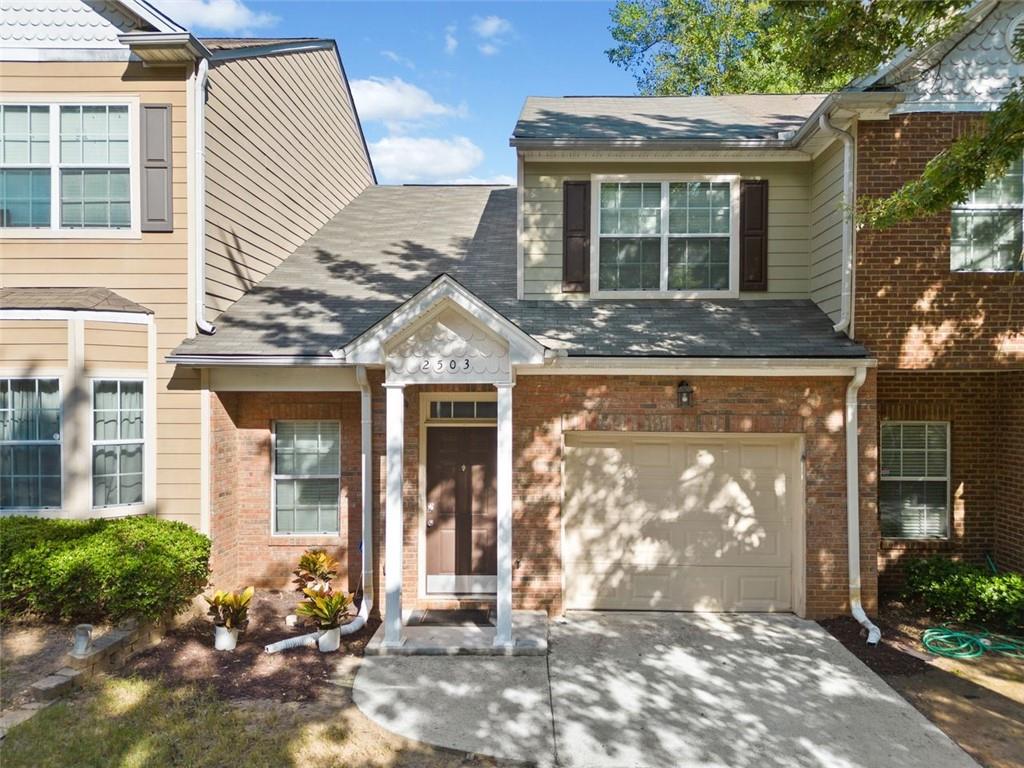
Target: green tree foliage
685 47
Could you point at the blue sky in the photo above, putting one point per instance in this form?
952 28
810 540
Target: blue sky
438 85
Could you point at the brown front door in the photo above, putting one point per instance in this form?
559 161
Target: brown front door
461 514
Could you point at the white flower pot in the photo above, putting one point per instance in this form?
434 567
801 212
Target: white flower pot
330 640
224 639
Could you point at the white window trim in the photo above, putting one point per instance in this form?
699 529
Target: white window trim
38 376
274 477
923 478
733 290
55 231
132 506
986 208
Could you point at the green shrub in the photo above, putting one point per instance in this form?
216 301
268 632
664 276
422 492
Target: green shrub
96 570
966 592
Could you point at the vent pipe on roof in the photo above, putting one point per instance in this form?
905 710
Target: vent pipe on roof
845 314
199 195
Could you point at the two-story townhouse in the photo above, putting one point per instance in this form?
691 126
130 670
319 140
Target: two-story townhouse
940 304
642 378
148 179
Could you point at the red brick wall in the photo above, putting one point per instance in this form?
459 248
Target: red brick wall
544 408
1009 543
245 550
910 309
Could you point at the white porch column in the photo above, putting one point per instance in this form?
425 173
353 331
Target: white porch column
393 522
503 636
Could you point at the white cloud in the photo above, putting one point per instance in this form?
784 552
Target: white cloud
491 26
424 160
498 178
488 49
398 103
398 59
451 42
217 15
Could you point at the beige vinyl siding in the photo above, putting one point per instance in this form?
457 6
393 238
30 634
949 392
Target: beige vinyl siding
787 220
27 346
284 153
151 270
116 346
826 229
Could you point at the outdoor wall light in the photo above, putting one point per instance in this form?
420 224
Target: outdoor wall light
684 394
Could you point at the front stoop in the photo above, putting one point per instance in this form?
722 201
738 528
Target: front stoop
529 632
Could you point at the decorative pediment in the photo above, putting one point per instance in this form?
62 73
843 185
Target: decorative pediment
444 334
447 345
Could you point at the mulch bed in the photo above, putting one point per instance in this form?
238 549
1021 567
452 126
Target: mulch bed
186 655
884 659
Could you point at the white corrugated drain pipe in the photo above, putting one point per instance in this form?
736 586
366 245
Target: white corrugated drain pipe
853 506
843 326
366 437
199 195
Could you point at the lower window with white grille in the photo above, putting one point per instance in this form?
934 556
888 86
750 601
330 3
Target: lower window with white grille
307 477
914 484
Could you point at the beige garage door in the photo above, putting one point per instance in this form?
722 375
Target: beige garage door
679 522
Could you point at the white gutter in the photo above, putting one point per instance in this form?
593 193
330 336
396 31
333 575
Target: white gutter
853 506
843 326
199 191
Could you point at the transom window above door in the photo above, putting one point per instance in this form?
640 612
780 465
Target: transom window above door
671 237
463 409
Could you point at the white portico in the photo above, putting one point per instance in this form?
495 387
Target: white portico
445 335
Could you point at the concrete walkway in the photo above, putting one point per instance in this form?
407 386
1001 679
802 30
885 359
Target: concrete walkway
653 690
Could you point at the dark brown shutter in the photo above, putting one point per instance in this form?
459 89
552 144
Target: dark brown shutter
157 206
576 237
754 235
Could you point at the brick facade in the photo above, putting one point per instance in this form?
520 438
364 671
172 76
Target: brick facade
950 347
245 552
544 408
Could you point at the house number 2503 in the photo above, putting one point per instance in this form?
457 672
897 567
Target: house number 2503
453 365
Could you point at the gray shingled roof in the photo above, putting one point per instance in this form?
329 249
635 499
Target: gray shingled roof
754 117
391 242
97 299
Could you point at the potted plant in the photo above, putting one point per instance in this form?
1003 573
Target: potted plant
328 610
230 613
316 570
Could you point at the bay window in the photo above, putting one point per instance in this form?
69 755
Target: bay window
988 227
914 483
306 477
66 167
30 444
674 237
118 443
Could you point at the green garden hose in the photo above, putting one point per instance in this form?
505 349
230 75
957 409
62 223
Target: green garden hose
957 644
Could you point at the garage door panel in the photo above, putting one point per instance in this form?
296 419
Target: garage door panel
678 522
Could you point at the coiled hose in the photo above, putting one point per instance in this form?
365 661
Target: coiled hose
958 644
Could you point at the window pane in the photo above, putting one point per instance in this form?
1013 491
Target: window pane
25 198
629 264
699 207
630 209
986 240
698 264
914 508
93 198
487 409
464 409
1007 190
104 490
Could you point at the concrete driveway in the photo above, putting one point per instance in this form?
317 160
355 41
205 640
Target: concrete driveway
652 690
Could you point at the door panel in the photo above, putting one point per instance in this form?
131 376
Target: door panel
679 522
461 517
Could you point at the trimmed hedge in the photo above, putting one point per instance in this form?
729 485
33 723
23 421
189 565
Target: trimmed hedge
966 592
100 570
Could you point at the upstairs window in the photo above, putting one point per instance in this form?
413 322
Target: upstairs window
30 444
65 167
988 226
670 236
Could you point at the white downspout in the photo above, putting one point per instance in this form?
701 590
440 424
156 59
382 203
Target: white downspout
843 326
366 440
199 187
853 505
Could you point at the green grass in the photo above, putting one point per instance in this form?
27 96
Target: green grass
134 723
